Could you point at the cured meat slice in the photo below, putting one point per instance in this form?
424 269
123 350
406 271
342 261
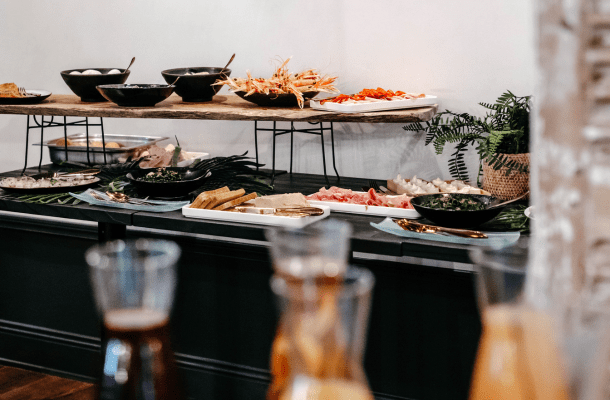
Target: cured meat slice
369 198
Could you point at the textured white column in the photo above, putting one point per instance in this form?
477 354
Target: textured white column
558 153
571 160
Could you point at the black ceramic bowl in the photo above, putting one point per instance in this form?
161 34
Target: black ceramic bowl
275 100
458 219
84 86
136 95
196 88
191 180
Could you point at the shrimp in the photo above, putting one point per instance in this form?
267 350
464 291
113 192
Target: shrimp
282 82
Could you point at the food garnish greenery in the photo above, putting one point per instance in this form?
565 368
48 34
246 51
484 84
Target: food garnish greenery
161 175
453 203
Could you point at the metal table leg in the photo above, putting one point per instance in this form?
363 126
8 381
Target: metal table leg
323 154
27 136
332 143
256 142
103 140
41 139
314 131
291 144
273 160
65 139
87 133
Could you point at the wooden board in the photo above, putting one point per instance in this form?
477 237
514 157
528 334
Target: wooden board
227 107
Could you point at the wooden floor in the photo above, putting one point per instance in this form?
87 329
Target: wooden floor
20 384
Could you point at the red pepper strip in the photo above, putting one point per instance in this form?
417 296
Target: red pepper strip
378 93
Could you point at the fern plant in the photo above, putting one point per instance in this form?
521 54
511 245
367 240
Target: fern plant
503 130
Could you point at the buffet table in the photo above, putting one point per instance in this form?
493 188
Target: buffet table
424 324
223 107
112 222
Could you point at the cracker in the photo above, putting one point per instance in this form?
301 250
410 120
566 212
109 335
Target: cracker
224 189
205 202
236 202
199 200
224 197
204 197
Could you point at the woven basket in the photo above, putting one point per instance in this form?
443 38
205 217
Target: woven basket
509 186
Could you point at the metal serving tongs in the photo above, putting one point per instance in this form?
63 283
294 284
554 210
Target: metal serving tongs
116 197
77 174
413 226
298 211
295 212
123 198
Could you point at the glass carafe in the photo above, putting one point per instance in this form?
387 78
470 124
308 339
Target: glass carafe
133 284
311 263
322 337
519 355
316 251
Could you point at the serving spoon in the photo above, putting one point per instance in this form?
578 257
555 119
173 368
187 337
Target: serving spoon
230 61
123 198
222 71
510 201
199 73
409 225
77 174
130 64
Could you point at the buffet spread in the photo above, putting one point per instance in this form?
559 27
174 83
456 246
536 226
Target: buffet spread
142 171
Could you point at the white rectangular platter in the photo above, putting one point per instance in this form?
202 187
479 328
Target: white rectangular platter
383 105
367 210
253 218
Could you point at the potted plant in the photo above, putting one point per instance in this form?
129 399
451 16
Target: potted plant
501 139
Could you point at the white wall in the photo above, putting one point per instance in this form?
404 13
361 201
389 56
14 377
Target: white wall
463 51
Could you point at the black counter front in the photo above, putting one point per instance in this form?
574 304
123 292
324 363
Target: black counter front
423 330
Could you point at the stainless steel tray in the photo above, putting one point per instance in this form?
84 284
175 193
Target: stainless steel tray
77 152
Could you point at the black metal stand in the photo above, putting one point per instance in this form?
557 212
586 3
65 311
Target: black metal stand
314 131
53 124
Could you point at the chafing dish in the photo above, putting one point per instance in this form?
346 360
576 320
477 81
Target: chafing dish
77 150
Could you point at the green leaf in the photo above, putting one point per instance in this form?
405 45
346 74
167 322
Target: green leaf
235 171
